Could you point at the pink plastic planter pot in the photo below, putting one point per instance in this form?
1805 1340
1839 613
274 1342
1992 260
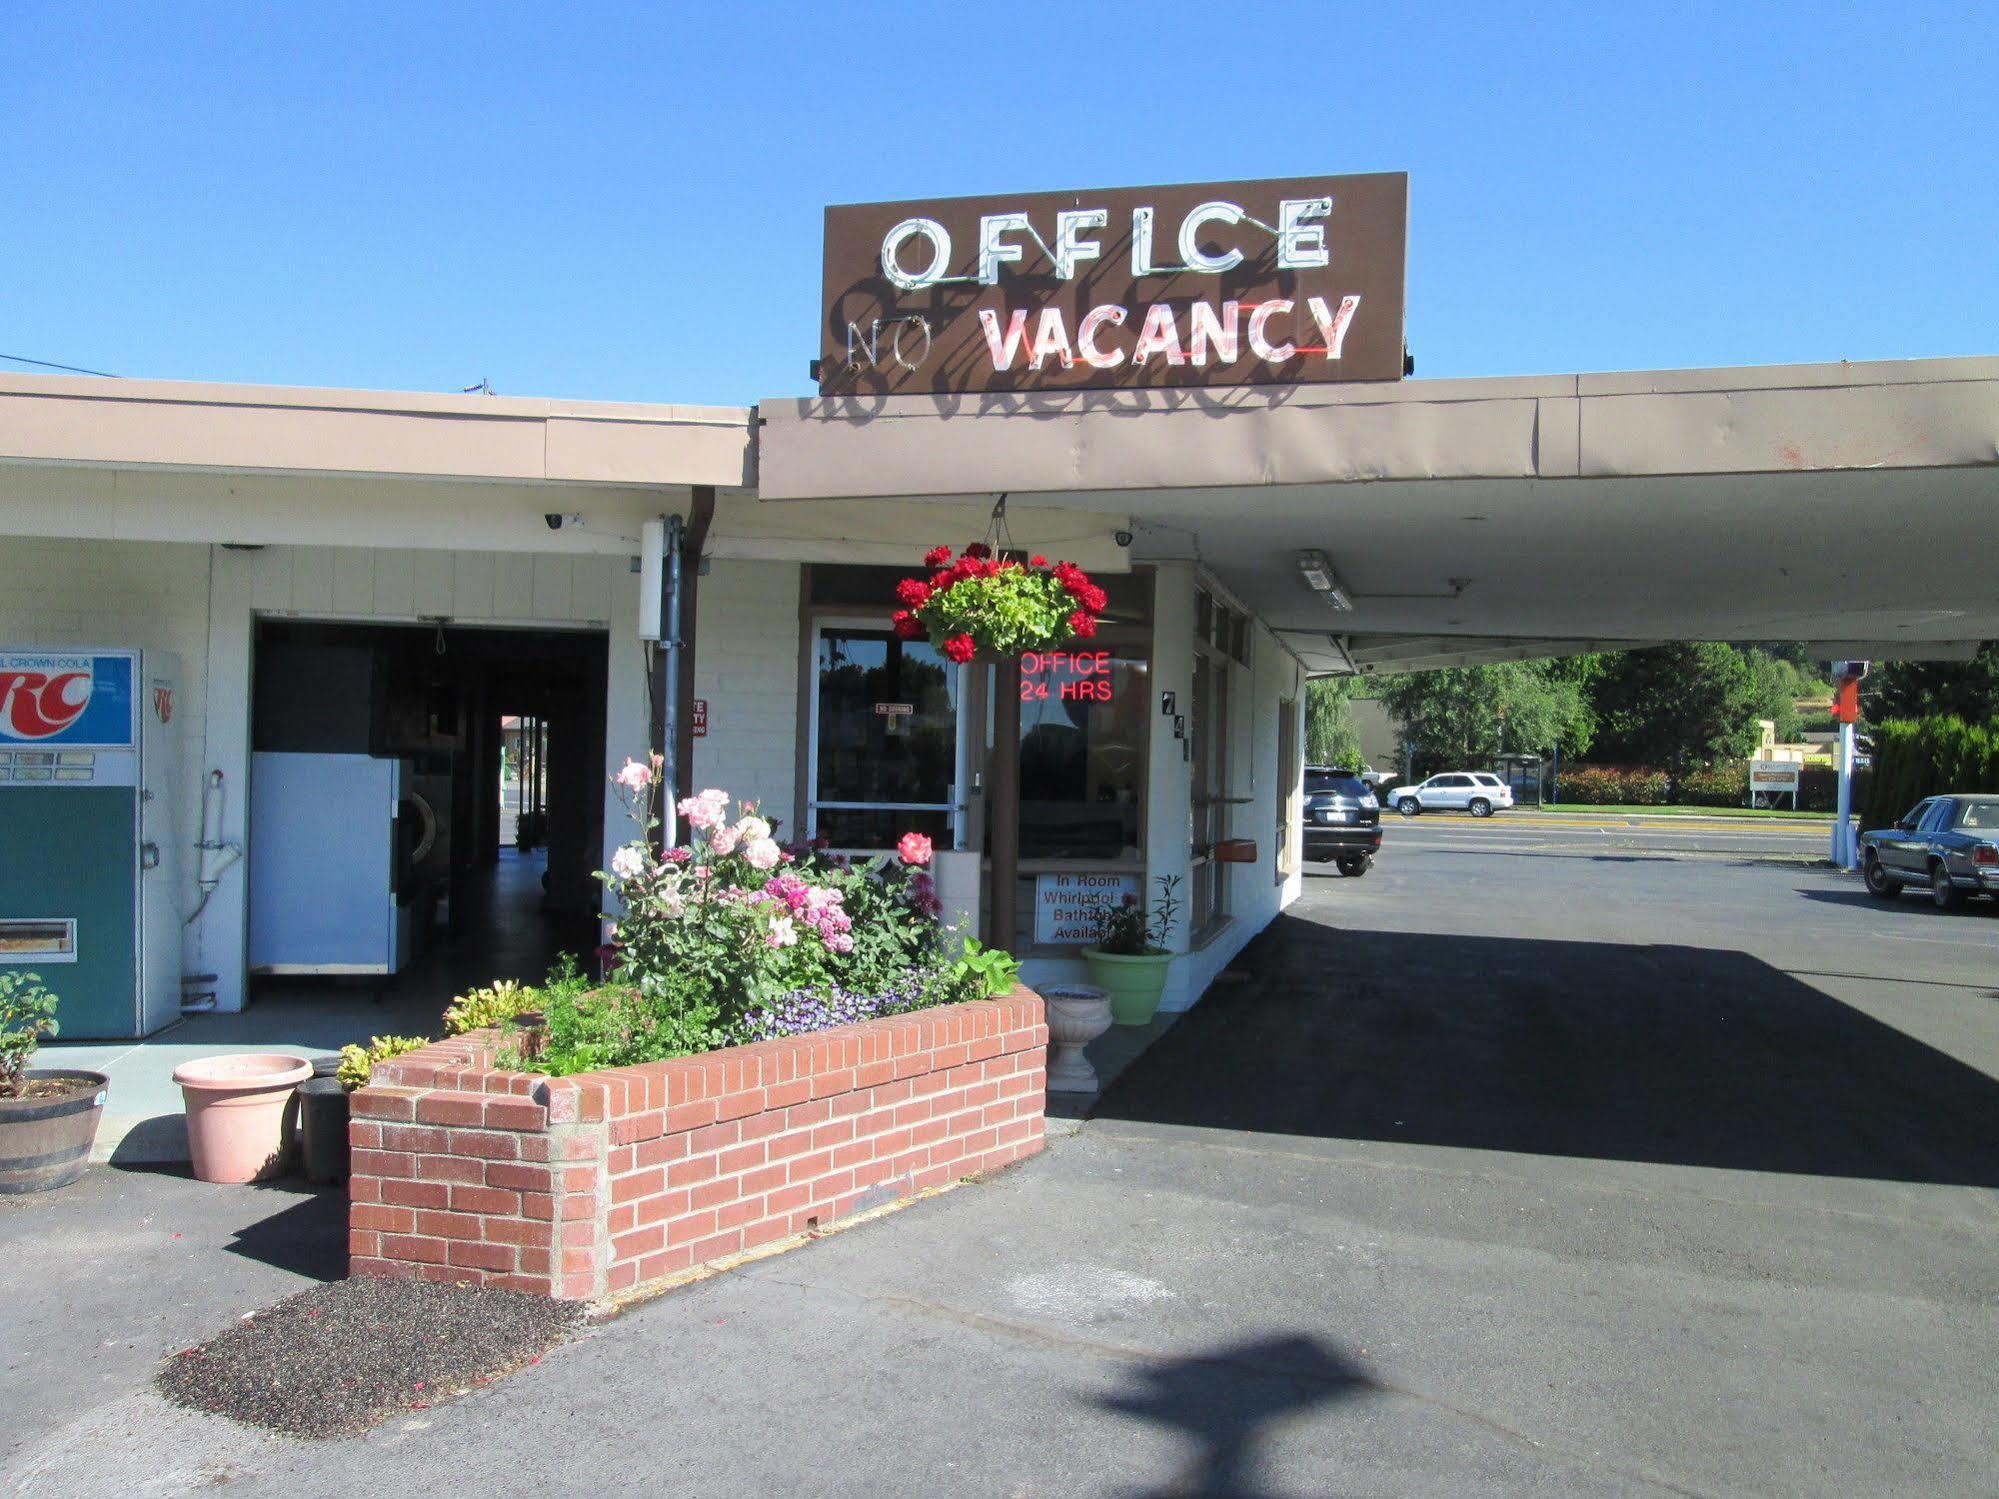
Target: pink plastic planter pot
236 1113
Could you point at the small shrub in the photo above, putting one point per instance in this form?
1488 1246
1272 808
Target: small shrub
1614 786
482 1009
27 1014
357 1063
1714 786
1129 929
620 1025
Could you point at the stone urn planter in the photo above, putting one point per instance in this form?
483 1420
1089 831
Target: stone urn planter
1077 1015
46 1133
241 1113
1135 980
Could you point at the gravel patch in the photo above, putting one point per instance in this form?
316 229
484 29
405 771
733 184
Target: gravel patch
338 1358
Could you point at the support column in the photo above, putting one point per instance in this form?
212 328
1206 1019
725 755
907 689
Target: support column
1005 805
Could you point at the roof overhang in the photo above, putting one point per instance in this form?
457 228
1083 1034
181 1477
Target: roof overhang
1852 505
283 430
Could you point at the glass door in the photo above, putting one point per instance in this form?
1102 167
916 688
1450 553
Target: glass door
885 751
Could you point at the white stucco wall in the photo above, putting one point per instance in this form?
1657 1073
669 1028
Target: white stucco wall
746 667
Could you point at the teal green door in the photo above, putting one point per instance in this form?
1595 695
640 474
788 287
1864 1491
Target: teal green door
68 852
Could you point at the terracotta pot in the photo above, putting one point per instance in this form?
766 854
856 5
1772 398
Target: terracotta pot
1077 1015
241 1113
1136 981
45 1140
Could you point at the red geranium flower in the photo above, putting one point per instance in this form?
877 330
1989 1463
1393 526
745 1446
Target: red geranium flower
1083 623
913 592
1093 598
907 625
1037 560
936 556
960 648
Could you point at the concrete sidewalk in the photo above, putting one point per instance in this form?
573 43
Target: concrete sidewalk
1681 1182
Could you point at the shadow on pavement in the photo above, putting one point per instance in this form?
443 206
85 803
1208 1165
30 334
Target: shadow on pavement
1223 1400
1913 901
1676 1055
301 1229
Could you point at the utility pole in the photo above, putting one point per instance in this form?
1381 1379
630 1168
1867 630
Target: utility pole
1845 710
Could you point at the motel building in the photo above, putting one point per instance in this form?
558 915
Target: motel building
306 691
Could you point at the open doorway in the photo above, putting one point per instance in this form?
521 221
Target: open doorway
426 804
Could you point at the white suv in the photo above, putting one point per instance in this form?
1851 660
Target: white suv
1471 791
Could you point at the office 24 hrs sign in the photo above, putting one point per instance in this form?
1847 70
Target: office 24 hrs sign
1242 283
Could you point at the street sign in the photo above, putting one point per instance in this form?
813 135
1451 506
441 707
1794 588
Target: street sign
1769 779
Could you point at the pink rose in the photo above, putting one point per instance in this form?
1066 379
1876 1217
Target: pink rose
636 776
629 862
700 812
783 932
676 856
914 848
723 841
763 853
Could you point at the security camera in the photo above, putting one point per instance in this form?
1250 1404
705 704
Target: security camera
553 520
1122 538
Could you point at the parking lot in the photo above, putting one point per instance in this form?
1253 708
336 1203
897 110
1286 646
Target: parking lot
1538 1160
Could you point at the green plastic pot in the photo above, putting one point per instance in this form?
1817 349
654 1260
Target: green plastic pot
1136 982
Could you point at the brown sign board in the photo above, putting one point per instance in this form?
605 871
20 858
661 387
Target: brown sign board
1283 281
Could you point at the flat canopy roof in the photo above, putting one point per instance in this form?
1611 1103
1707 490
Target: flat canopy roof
419 434
1855 506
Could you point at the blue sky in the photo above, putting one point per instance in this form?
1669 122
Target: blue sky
626 204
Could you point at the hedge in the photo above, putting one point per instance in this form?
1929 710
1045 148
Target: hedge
1614 785
1919 757
1725 785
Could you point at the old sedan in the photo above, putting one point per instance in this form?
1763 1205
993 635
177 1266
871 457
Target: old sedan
1949 844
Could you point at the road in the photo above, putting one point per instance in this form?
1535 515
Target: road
1582 835
1658 1162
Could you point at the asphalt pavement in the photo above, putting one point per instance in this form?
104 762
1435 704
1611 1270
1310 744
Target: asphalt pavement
1643 1162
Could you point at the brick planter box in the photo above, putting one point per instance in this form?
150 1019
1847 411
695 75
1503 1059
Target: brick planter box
588 1186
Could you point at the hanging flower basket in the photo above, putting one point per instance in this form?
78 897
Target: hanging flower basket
978 604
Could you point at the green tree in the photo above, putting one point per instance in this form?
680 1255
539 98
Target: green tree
1329 733
1676 706
1780 683
1926 689
1463 715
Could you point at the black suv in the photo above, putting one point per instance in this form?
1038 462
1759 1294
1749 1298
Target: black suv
1342 819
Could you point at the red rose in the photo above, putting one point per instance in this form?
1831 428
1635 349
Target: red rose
978 549
907 625
936 556
960 648
913 592
1083 623
1037 561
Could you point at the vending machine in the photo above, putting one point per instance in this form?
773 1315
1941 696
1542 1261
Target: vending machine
89 858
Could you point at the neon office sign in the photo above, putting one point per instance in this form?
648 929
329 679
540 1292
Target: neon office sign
1242 283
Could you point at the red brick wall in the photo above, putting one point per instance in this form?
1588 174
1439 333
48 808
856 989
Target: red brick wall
585 1186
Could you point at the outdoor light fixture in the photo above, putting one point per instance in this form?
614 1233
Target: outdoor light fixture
1316 570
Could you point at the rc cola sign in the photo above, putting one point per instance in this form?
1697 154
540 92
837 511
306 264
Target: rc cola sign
65 700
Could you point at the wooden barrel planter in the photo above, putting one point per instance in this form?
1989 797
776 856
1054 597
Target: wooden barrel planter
45 1136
